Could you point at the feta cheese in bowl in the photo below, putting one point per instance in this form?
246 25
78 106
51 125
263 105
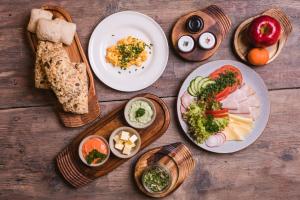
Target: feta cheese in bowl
124 142
140 112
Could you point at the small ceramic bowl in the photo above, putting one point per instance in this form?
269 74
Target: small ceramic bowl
117 152
163 168
136 124
80 150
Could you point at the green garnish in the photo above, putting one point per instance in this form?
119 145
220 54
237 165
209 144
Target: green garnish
156 179
95 154
130 51
140 112
201 125
224 80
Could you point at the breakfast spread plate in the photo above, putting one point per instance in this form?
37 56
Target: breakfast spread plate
223 106
128 51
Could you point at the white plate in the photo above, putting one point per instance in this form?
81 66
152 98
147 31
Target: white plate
116 27
250 77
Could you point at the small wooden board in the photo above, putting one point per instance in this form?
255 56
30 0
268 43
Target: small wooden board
76 54
215 22
241 41
78 174
176 157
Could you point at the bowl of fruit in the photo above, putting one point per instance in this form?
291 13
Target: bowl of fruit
259 40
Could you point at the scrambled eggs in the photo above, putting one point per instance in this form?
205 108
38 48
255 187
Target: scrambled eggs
128 51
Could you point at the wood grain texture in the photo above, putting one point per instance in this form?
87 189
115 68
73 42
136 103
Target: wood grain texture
268 169
16 71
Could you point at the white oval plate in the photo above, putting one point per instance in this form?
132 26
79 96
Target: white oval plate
250 77
116 27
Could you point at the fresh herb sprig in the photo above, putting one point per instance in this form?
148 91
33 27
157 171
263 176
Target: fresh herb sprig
140 112
93 155
226 79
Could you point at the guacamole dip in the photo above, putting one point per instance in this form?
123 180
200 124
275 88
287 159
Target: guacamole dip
140 112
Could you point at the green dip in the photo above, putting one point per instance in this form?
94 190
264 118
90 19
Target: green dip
156 179
140 112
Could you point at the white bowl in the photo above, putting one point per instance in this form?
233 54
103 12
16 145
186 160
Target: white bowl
80 152
117 152
139 125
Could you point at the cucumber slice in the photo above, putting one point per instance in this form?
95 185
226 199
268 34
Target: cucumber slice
196 83
199 86
190 88
193 87
204 85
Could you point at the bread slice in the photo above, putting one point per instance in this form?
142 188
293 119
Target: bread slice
69 83
45 52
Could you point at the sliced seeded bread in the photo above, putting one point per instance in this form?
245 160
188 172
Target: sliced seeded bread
69 83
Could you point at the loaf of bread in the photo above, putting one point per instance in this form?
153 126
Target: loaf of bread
69 83
37 14
57 30
46 51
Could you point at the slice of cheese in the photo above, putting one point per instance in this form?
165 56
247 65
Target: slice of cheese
240 119
231 134
130 144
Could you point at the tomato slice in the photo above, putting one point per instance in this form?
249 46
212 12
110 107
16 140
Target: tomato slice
222 115
228 90
216 112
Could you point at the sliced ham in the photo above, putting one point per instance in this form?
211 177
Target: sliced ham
255 111
243 108
186 99
182 109
253 101
230 102
246 89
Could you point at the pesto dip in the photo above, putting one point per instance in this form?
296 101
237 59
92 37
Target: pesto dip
140 112
156 179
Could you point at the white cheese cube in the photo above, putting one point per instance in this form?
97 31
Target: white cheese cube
124 135
133 138
119 146
129 144
117 138
127 150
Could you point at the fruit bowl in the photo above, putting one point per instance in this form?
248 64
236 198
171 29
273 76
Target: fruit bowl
242 44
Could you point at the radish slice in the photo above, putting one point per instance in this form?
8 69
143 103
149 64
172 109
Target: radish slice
216 140
186 99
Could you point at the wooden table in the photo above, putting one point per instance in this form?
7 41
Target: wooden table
31 134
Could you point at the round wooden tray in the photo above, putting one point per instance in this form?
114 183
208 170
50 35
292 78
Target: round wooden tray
241 41
215 21
175 157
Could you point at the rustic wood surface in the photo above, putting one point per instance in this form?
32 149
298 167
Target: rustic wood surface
31 134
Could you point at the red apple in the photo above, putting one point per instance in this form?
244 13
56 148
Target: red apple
264 31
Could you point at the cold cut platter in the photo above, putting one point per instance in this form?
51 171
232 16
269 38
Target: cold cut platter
223 106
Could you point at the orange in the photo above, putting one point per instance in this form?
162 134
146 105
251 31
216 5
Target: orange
258 56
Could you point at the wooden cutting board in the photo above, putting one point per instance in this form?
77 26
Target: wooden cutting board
76 54
78 174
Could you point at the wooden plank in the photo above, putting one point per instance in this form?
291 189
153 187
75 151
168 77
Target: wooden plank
16 60
268 169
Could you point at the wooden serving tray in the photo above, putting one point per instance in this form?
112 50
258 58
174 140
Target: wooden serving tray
78 174
241 41
175 157
76 54
215 21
